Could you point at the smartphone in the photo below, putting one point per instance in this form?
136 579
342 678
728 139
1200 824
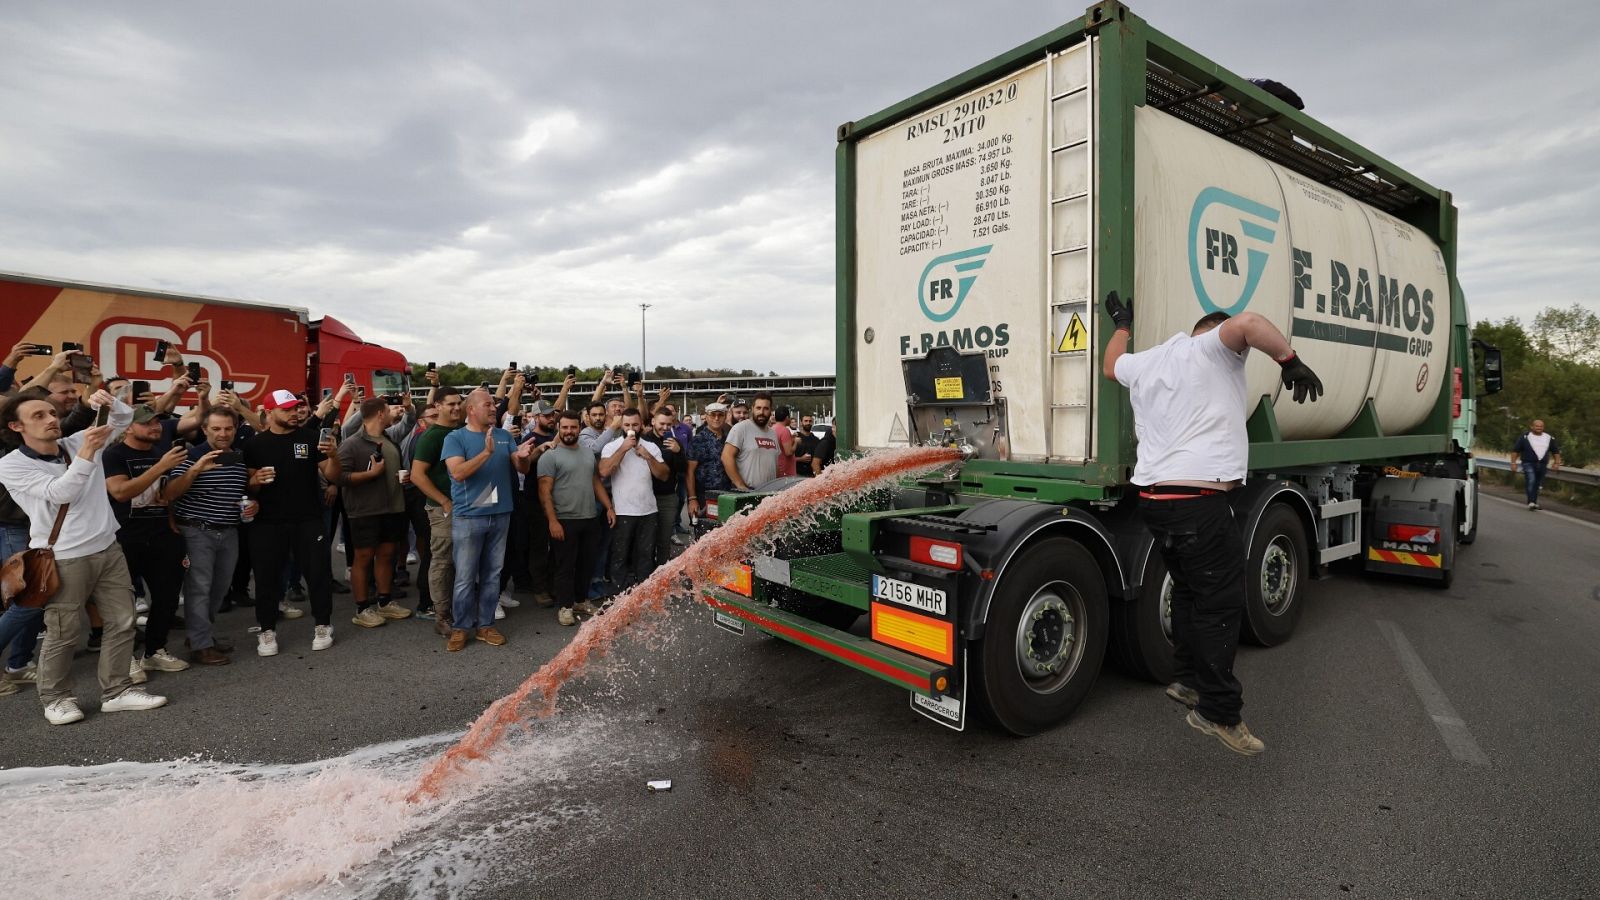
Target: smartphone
484 386
513 366
43 350
227 385
392 399
230 458
161 351
349 378
68 345
572 370
433 367
326 393
324 435
194 373
140 388
102 415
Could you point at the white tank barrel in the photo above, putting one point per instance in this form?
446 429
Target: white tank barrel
1363 296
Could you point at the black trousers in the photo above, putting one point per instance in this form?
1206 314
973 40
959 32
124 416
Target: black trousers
241 569
541 565
417 517
156 557
1204 551
515 568
272 545
575 558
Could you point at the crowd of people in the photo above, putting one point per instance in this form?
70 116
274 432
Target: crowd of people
152 513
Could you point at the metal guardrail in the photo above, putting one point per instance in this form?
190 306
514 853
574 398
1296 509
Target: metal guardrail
1575 476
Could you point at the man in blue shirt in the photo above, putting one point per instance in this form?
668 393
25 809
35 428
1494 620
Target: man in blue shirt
481 460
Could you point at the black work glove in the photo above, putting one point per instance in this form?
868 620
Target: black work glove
1120 314
1298 375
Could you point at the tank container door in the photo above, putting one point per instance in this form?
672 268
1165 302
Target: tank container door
1071 354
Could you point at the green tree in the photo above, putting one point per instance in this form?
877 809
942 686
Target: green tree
1571 334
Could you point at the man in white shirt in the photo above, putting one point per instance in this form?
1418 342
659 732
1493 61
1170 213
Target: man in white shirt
632 465
1189 411
1535 452
47 472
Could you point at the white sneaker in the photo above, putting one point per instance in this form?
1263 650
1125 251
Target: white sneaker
136 670
498 613
162 661
289 612
323 639
141 605
508 601
411 559
566 616
141 620
132 699
63 712
267 643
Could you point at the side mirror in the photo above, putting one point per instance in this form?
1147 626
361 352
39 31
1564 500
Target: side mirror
1493 377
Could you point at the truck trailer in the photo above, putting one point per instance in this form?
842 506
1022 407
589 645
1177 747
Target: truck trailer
259 347
979 224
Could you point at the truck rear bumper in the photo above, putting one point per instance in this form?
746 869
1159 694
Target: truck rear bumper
931 679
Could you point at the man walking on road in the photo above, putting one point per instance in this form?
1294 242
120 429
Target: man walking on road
1189 410
1536 451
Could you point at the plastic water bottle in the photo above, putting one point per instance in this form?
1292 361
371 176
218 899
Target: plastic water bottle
245 515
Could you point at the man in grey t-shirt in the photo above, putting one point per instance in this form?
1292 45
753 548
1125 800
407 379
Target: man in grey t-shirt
569 486
750 456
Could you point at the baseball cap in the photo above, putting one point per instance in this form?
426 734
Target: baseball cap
143 413
716 407
280 399
541 408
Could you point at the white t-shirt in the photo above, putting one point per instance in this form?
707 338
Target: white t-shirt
1540 443
1189 410
633 491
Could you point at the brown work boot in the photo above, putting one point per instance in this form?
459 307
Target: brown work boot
458 640
209 656
442 629
1235 737
491 636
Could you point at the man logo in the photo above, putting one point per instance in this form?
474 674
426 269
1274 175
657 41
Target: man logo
1221 247
936 292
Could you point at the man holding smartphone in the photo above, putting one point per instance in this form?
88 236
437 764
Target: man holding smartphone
284 463
204 492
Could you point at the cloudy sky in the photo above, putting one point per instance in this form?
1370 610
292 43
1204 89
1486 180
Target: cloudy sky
488 181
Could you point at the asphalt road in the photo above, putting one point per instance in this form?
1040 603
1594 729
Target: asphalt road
1421 743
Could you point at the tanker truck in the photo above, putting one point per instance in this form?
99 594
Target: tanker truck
979 224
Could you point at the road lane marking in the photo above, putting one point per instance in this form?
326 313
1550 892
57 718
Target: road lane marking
1452 728
1543 512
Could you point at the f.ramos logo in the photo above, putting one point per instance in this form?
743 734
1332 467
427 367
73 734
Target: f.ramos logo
1220 248
940 293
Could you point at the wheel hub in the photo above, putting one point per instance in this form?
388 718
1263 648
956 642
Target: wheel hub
1278 573
1046 634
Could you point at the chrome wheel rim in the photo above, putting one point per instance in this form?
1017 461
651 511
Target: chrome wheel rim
1049 637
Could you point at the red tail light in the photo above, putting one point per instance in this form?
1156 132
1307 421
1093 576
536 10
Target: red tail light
944 554
1414 534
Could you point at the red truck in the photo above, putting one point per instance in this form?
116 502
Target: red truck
257 346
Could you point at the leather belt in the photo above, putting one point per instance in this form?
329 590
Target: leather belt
1177 492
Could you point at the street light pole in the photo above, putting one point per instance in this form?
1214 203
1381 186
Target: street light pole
644 365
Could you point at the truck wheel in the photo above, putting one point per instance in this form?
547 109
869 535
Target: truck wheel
1044 640
1141 627
1275 577
1471 507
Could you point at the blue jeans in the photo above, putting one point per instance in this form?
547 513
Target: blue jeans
479 553
19 627
1532 479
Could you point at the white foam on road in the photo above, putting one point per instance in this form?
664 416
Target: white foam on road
337 827
1452 728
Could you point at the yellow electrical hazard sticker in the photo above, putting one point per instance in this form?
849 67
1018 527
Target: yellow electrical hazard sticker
1075 338
948 389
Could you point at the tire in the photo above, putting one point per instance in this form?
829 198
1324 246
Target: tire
1141 627
1470 495
1057 583
1275 577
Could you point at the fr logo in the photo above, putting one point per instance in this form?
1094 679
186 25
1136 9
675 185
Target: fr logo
946 281
1218 245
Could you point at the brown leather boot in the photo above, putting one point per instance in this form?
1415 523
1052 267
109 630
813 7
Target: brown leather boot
209 656
458 640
